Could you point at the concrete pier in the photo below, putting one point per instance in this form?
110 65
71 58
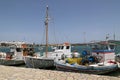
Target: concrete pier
19 73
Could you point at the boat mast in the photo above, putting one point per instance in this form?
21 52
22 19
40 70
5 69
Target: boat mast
46 24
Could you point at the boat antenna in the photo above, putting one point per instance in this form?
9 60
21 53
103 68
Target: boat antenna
114 36
46 25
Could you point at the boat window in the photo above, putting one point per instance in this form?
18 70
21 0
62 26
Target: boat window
100 47
104 47
12 47
58 47
112 47
18 49
62 47
67 47
95 47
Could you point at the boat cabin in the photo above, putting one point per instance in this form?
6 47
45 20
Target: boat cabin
104 51
65 48
18 51
61 51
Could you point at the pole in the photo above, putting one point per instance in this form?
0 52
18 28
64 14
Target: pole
46 24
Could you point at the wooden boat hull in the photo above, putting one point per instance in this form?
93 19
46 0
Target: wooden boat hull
86 69
41 63
12 62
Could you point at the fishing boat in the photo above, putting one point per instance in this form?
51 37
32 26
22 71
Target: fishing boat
48 58
100 61
91 69
15 56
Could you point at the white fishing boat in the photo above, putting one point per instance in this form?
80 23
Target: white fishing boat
15 56
61 51
48 58
101 61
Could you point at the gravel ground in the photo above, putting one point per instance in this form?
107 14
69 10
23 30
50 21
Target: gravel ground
19 73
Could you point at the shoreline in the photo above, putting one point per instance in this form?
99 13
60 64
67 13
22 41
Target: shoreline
21 73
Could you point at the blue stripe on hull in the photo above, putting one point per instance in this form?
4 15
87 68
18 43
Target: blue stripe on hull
107 51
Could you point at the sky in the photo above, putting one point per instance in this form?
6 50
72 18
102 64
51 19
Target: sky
74 21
